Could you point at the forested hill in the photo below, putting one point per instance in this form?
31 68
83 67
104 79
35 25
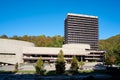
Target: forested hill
112 48
41 41
110 43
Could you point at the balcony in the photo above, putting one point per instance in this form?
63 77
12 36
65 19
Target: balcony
44 58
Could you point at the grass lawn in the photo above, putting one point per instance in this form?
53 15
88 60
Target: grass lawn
7 72
53 72
19 72
70 73
26 72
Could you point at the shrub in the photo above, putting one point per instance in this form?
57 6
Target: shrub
39 66
60 63
16 67
81 64
74 64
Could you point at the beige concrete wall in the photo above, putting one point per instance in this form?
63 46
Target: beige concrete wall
8 47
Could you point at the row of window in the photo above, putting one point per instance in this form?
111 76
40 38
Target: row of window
81 26
81 21
7 53
7 56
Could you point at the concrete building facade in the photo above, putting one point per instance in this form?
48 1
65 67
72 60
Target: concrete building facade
15 51
11 50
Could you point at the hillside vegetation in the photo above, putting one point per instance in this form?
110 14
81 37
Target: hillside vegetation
112 48
40 41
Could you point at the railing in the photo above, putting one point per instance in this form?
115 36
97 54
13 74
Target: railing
44 58
93 58
94 55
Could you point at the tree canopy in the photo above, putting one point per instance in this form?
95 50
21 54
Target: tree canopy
39 66
60 63
40 41
112 48
74 64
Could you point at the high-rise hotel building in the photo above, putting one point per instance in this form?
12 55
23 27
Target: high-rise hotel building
81 29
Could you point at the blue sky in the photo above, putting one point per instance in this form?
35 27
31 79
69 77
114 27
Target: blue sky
38 17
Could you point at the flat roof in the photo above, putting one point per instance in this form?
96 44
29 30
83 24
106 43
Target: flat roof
83 15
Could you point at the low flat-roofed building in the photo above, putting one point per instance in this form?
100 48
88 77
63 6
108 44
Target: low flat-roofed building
13 51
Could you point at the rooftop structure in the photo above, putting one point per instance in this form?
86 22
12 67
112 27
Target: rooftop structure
83 15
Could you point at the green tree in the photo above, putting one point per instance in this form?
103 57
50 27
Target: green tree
15 37
39 66
4 36
74 64
81 64
112 48
25 38
57 41
16 67
60 63
40 41
110 59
